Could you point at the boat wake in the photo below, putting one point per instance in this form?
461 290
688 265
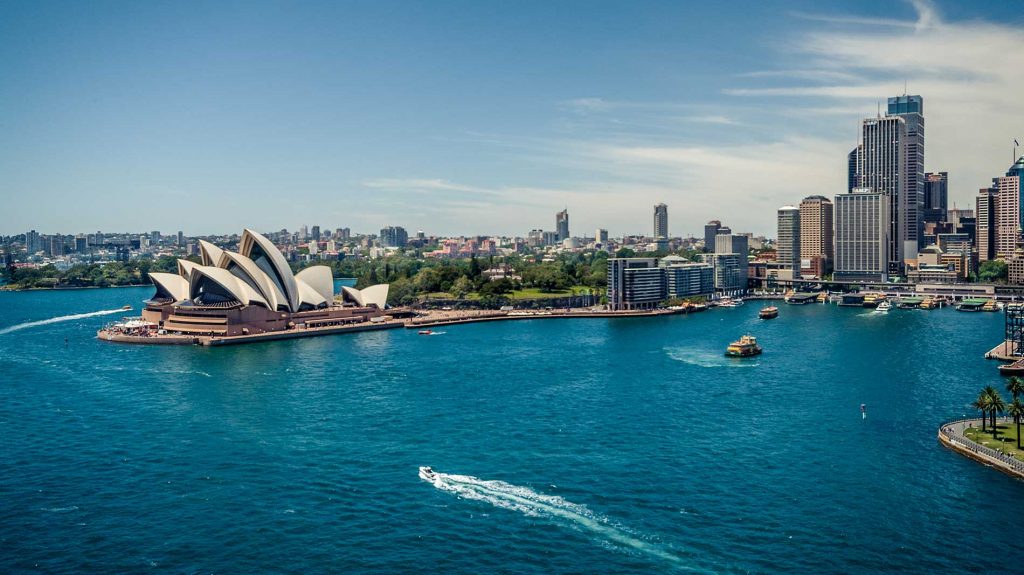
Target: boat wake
72 317
705 358
534 504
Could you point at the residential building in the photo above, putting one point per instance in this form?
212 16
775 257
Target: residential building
863 223
316 233
393 237
660 222
730 272
601 236
985 226
181 239
732 244
817 248
1008 223
635 283
687 279
787 247
33 244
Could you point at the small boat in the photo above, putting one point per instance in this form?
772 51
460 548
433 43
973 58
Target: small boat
745 347
727 301
427 473
769 312
426 332
884 307
126 307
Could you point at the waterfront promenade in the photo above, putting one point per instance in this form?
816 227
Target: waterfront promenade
951 435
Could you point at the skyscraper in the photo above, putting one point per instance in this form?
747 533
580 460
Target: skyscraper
316 233
985 230
817 252
710 231
601 236
936 197
660 221
1007 215
562 224
32 243
852 165
862 223
393 237
911 109
181 239
882 170
788 246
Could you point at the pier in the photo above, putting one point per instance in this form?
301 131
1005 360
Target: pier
951 435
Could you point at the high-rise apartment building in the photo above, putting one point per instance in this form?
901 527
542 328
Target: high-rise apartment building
562 224
985 225
788 243
936 197
1008 228
635 283
316 233
181 239
710 231
394 237
660 221
32 243
601 236
862 223
817 251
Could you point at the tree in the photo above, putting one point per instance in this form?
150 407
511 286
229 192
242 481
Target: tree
461 287
981 404
992 271
1015 386
625 253
995 405
1016 410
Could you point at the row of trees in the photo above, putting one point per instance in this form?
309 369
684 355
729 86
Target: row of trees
89 275
990 404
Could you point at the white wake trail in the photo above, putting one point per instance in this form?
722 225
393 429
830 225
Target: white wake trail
73 317
529 502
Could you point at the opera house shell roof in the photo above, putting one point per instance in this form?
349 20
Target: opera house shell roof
256 275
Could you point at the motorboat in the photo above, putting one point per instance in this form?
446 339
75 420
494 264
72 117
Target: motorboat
884 306
426 332
727 301
745 347
769 312
126 307
427 474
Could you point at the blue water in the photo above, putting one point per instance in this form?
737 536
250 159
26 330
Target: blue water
567 446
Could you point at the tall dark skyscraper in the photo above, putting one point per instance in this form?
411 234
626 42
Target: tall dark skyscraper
936 197
710 231
316 233
660 221
852 161
562 224
911 109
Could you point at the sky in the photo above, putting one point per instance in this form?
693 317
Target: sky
480 117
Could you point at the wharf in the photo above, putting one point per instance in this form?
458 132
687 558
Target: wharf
437 319
1003 352
206 340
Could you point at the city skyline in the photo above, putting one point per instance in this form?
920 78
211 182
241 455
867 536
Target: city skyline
318 122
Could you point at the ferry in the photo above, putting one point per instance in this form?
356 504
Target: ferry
929 303
873 299
974 305
991 305
769 312
745 347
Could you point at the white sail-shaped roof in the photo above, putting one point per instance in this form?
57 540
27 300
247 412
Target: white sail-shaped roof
272 262
374 295
172 285
238 289
309 296
263 283
320 278
209 252
185 267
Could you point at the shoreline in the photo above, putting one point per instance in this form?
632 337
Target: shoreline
951 435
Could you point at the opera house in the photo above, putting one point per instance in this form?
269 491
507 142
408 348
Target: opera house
250 292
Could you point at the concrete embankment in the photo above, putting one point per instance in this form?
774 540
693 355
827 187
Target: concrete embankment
455 318
170 339
951 435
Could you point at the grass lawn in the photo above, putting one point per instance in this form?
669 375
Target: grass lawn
1007 441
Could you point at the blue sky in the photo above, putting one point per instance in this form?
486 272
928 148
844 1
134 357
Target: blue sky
479 117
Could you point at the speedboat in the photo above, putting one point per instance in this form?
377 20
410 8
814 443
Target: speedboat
427 473
884 306
126 307
426 332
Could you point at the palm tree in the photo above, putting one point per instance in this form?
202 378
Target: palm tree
995 405
1015 386
1016 409
981 404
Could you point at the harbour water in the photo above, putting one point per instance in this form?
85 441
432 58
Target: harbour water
563 446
